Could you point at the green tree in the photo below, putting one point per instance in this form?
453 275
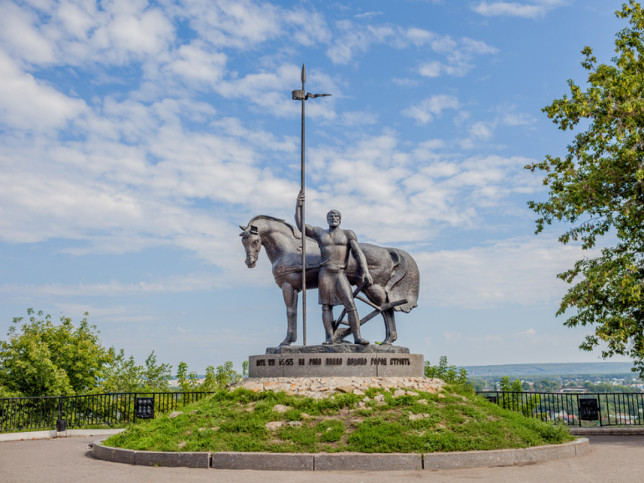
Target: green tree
225 374
448 373
121 373
210 381
193 380
547 385
220 377
182 377
156 377
598 187
513 397
41 358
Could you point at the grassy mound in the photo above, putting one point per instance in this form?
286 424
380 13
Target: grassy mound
380 421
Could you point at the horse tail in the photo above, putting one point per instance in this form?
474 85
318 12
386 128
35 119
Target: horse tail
404 281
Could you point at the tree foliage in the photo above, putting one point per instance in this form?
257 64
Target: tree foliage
182 377
215 378
123 374
513 398
598 187
155 376
42 358
448 373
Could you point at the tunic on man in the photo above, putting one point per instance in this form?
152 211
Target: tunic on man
333 285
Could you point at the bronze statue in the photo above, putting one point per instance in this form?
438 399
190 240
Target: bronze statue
394 273
388 277
333 286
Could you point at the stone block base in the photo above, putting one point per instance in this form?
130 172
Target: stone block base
339 349
383 364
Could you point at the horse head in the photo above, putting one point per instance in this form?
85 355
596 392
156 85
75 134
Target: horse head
252 244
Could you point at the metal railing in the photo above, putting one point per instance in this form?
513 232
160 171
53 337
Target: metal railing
574 409
31 413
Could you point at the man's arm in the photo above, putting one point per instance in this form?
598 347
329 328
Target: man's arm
362 260
298 216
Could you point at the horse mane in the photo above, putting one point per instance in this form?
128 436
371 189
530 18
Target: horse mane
296 232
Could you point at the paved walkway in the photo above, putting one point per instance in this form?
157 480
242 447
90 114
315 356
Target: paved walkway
611 459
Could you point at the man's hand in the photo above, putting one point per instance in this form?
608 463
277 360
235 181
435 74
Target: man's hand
367 278
300 199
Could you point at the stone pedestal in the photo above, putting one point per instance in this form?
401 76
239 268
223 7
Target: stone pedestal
340 348
338 360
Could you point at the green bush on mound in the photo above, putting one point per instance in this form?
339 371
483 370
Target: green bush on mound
378 422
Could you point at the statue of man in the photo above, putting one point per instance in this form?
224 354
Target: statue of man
333 286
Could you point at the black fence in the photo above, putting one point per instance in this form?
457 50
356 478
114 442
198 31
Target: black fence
66 412
574 409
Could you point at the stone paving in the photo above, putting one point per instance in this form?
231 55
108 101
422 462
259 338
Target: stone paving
611 459
318 387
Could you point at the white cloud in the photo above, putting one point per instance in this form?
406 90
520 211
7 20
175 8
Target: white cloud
232 23
195 62
139 33
514 9
17 31
355 39
145 166
516 119
77 18
267 89
426 110
482 130
459 55
310 26
130 180
76 33
420 37
367 14
26 103
517 272
433 187
431 69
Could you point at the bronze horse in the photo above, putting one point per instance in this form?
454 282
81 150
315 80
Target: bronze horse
394 271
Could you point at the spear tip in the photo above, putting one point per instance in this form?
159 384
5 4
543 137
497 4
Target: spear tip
303 73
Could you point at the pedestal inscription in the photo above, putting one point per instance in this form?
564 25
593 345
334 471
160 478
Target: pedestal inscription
381 364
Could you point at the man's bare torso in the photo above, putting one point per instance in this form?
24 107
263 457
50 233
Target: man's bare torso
334 246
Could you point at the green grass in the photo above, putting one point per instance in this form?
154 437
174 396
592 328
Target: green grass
454 420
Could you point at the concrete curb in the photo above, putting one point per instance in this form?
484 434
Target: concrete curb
344 461
52 433
505 457
607 431
150 458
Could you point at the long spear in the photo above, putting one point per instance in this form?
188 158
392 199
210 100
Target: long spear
302 95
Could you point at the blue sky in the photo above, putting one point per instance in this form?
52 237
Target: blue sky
136 136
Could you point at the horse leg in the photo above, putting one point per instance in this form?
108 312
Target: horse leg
390 326
290 299
376 293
